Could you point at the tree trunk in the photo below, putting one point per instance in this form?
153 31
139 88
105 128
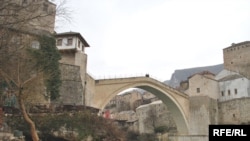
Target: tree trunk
32 126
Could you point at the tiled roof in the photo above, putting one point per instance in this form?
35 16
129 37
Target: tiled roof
231 77
65 34
203 73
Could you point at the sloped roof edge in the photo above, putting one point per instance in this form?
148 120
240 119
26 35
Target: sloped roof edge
77 34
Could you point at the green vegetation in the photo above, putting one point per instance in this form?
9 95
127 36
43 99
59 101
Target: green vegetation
47 60
133 136
26 71
76 126
161 129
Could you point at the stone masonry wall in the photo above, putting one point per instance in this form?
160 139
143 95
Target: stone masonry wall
234 111
203 111
71 91
89 90
236 58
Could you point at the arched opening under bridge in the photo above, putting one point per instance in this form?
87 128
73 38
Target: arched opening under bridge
177 102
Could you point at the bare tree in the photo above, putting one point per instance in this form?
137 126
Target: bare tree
28 52
28 15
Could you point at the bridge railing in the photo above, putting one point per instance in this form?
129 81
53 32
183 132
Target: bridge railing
117 76
137 75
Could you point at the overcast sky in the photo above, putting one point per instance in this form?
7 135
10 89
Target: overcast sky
135 37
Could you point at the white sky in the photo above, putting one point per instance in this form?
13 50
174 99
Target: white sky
135 37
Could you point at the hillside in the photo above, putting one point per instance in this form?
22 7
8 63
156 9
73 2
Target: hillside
183 74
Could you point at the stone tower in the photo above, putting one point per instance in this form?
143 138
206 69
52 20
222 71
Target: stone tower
236 58
28 15
73 67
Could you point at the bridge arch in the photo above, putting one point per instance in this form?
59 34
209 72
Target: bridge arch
177 102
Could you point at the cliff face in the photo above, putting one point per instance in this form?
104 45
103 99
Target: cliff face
183 74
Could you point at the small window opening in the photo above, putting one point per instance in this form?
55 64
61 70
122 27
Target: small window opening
70 41
222 93
79 43
198 90
235 91
59 42
35 44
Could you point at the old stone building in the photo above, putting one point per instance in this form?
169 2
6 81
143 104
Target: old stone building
234 111
151 113
73 67
154 115
72 47
22 21
236 58
203 84
125 101
233 81
22 24
28 15
129 115
220 99
13 40
126 120
35 18
232 85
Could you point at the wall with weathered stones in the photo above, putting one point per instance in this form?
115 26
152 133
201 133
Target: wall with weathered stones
71 90
154 115
89 89
236 58
203 112
67 58
201 85
234 111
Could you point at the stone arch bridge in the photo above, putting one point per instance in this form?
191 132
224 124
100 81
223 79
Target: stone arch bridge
177 102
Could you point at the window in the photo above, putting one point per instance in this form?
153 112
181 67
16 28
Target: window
35 44
198 90
79 43
59 42
228 92
70 41
222 93
235 91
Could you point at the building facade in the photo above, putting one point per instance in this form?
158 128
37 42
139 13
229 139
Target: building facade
232 86
236 58
73 61
231 83
28 15
126 101
203 84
